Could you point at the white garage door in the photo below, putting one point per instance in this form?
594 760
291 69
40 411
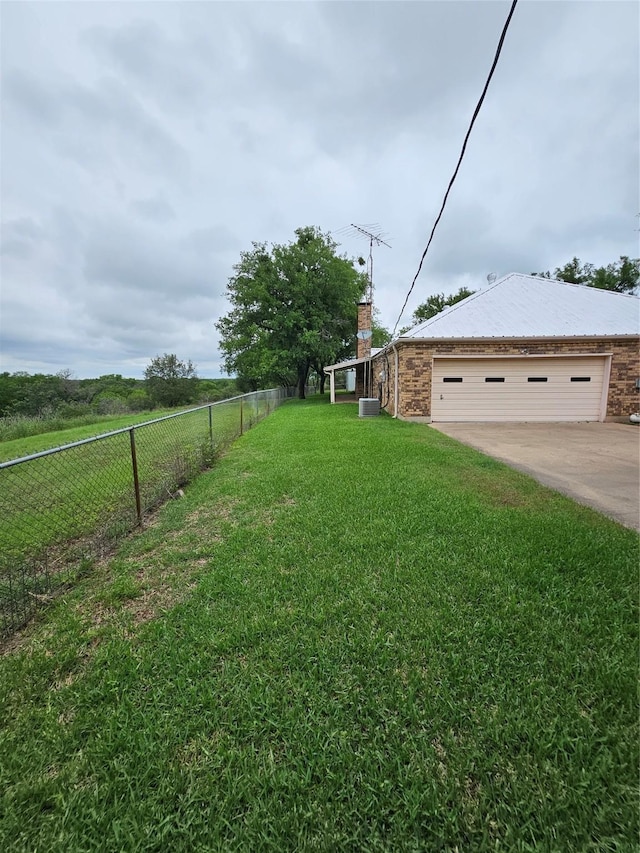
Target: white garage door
518 389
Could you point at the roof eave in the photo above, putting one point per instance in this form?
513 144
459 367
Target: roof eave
465 339
345 365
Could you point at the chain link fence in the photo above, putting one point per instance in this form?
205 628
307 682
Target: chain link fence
63 507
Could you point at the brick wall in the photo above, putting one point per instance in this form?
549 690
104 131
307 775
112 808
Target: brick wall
384 379
415 360
363 347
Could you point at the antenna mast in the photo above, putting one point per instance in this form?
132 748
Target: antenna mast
373 234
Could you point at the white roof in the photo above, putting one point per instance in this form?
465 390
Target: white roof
346 365
524 306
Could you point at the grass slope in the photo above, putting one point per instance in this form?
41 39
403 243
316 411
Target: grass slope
17 447
53 499
349 635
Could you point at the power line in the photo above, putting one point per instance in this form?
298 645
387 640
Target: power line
462 152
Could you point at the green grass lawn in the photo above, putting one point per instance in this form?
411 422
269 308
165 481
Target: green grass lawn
348 635
57 510
52 499
18 447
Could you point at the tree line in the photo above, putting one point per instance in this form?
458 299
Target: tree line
622 276
168 382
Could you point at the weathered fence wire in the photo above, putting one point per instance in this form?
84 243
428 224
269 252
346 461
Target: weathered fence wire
64 506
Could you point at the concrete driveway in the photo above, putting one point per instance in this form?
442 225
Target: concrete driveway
595 464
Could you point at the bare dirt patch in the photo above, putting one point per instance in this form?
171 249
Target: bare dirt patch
156 600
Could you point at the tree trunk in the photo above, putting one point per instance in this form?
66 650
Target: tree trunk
302 381
323 379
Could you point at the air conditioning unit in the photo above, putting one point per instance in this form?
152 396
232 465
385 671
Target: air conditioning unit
368 407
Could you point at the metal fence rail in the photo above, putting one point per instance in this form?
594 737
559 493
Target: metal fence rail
69 504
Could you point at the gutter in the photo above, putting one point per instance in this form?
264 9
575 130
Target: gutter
521 338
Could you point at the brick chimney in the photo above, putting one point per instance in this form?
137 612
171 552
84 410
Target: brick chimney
363 346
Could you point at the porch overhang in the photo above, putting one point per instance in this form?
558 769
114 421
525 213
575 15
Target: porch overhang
342 365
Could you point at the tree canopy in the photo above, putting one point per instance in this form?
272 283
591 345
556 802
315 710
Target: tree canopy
170 381
294 307
437 303
622 276
61 395
380 334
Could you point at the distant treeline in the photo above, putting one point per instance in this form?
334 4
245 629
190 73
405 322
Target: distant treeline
44 395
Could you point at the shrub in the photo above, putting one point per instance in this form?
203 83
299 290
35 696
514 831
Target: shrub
73 410
139 401
107 403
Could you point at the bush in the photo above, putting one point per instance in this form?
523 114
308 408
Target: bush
73 410
107 403
139 401
22 426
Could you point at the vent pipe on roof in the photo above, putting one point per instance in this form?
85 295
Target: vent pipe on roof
492 277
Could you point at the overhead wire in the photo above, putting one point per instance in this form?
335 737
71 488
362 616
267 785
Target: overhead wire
462 152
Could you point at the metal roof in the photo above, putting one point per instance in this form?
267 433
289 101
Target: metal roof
523 306
345 365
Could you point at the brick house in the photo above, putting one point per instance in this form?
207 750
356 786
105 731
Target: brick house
523 348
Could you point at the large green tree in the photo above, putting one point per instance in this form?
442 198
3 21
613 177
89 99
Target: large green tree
437 302
622 276
380 336
170 381
294 308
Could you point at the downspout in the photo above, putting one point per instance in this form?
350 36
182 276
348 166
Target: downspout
396 387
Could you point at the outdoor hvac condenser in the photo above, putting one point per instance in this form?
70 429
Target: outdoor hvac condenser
368 407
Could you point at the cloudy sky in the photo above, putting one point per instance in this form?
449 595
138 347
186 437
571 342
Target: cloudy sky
145 145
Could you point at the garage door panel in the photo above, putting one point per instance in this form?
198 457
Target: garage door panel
533 389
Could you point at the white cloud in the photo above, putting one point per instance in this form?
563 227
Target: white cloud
145 145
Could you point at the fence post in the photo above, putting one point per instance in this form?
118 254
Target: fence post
241 430
136 481
211 427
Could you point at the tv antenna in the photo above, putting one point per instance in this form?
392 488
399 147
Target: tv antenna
373 233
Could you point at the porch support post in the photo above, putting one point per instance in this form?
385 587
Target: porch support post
332 385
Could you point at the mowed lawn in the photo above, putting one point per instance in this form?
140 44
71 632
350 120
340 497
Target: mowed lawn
72 494
348 635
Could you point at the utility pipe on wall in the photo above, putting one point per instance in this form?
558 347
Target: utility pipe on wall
396 387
